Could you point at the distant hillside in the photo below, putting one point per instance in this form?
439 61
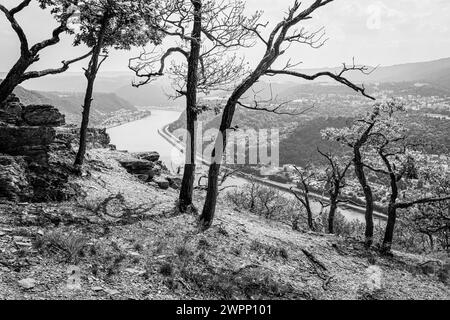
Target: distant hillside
76 82
103 106
149 95
436 72
120 83
103 102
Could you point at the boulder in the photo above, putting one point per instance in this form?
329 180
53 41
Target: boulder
152 156
162 183
174 182
143 177
43 115
140 167
28 283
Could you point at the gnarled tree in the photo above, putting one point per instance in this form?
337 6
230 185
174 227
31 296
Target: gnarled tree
305 176
282 36
216 29
31 54
335 182
101 25
357 137
402 165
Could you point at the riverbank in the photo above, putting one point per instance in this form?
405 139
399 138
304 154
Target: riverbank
165 133
124 118
142 136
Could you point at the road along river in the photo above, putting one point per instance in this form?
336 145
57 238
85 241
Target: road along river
151 134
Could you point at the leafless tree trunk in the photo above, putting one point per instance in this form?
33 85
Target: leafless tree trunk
280 35
304 199
335 179
187 184
394 204
91 75
360 174
209 65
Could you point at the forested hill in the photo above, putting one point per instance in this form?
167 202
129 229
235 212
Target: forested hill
104 104
435 72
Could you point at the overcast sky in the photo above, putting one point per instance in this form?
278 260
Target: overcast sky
375 32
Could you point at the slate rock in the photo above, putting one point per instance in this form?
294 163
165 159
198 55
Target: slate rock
43 115
136 166
162 183
27 283
152 156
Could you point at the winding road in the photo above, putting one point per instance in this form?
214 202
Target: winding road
152 133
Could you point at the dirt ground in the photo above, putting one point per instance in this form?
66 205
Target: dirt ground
122 239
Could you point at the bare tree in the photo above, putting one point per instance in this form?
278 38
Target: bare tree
305 177
335 173
30 55
389 141
277 43
356 137
224 176
218 27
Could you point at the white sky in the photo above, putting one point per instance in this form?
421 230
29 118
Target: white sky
375 32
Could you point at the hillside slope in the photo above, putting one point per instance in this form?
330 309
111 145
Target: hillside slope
143 249
103 105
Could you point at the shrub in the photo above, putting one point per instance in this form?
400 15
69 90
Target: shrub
166 269
268 249
264 201
69 245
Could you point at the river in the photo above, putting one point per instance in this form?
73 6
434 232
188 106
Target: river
142 135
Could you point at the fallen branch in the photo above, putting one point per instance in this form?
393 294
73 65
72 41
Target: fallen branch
314 260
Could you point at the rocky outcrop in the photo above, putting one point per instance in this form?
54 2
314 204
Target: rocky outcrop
147 167
152 156
96 138
139 167
163 183
32 142
11 110
27 134
14 186
43 115
174 182
15 113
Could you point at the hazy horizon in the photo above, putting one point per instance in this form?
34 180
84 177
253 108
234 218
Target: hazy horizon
104 72
400 32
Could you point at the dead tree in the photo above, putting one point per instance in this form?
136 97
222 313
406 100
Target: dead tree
30 55
217 29
277 43
304 197
335 173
